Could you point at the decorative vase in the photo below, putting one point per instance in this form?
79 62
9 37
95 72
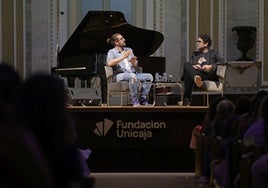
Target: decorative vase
245 40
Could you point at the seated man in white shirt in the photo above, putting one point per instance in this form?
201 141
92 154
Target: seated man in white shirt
123 61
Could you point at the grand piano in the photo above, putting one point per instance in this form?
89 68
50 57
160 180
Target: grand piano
84 54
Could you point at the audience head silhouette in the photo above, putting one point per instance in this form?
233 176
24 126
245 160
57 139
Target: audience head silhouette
9 84
41 108
21 160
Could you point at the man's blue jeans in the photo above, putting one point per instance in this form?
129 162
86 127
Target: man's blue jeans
135 79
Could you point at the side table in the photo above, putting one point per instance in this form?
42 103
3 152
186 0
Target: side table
166 89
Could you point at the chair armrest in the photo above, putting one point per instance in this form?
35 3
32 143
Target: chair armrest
110 78
108 71
221 69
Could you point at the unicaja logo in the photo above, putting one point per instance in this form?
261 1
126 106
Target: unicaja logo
129 129
103 127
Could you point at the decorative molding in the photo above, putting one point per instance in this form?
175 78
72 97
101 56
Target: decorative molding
257 30
14 33
187 30
158 22
260 34
223 29
211 17
242 66
52 32
1 42
28 38
197 18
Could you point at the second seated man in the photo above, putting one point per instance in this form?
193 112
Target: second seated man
202 66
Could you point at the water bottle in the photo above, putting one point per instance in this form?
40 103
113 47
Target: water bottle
164 77
157 77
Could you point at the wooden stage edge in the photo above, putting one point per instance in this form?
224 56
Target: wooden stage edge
138 139
153 138
170 108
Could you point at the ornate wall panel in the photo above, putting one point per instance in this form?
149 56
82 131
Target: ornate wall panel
20 44
262 39
193 26
203 18
8 31
158 21
13 33
265 47
28 37
222 9
215 23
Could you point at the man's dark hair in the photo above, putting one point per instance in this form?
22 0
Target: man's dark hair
206 38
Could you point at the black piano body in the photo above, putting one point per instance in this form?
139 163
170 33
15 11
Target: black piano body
84 54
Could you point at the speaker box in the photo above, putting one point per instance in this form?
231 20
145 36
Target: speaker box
84 96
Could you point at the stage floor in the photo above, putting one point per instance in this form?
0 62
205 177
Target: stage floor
146 180
140 139
150 108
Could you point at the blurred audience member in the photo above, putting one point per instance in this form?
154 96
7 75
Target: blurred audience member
224 169
256 133
21 161
257 136
206 141
224 110
246 120
242 106
198 144
9 83
41 108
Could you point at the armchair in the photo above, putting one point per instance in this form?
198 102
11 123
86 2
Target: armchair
213 87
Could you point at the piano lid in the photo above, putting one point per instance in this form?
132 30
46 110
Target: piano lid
91 35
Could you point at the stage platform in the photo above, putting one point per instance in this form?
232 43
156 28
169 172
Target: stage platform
138 139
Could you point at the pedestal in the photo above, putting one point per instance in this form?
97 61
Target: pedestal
242 77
